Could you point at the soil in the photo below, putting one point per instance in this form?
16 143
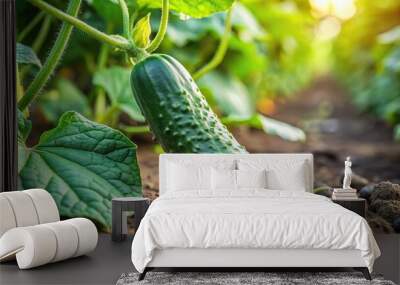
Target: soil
335 130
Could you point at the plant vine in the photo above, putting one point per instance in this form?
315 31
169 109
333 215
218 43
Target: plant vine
55 54
221 50
113 40
162 29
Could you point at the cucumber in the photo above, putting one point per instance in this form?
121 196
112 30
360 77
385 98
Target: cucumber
176 111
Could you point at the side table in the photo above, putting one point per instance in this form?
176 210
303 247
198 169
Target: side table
357 205
138 205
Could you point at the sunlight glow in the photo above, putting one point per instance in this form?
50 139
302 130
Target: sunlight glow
328 28
342 9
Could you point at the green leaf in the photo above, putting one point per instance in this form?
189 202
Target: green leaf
193 8
83 165
180 32
229 93
392 61
66 97
183 31
24 126
26 55
269 126
389 37
141 32
397 132
116 82
278 128
246 24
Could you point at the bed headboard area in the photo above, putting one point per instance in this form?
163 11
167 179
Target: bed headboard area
238 161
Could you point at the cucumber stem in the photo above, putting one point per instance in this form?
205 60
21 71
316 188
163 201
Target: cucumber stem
162 29
221 51
51 62
125 19
118 42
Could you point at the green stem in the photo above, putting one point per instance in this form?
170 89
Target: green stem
37 44
162 29
52 60
135 129
132 20
44 30
99 105
238 121
125 19
110 116
20 89
100 96
221 51
103 56
30 26
115 41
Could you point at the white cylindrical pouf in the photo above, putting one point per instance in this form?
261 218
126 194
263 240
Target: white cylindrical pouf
87 234
23 208
41 244
45 205
33 246
67 240
7 218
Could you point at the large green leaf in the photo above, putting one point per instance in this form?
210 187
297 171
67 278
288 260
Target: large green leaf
26 55
193 8
83 165
180 32
229 93
115 81
66 97
269 126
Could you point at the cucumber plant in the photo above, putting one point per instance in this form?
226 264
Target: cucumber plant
199 129
84 164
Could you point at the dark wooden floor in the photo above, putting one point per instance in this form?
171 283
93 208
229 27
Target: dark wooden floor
110 260
103 266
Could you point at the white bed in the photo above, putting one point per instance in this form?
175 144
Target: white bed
249 227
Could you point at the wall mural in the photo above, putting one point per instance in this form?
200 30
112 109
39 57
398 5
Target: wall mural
105 86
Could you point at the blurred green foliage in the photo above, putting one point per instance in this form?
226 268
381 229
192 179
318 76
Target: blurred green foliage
367 59
273 52
268 55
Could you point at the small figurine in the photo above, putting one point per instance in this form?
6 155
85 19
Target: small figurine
347 174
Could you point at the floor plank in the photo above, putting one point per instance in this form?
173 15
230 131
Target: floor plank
103 266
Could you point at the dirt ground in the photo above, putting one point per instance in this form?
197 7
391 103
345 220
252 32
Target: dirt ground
335 129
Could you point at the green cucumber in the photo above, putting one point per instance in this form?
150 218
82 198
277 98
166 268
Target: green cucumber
176 111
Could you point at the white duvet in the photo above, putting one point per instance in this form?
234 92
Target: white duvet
250 219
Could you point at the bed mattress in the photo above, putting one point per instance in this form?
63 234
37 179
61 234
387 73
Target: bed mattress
250 219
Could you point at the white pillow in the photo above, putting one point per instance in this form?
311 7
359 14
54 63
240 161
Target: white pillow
188 177
223 179
284 174
293 180
251 178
